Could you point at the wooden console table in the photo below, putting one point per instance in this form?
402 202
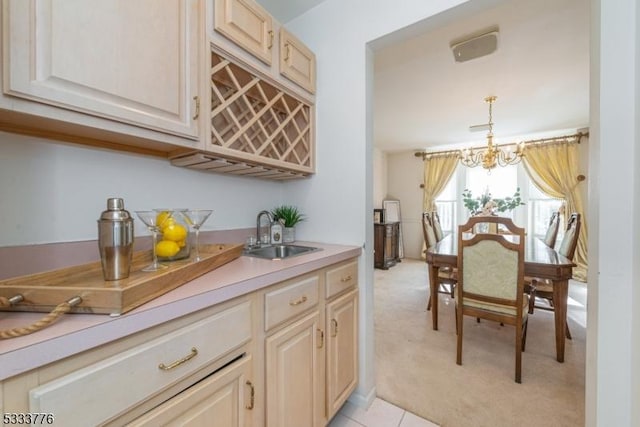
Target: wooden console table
386 238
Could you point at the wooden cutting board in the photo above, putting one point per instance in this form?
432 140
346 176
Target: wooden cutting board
44 291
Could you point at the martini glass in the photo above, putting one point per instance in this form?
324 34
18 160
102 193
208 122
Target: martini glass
150 219
195 218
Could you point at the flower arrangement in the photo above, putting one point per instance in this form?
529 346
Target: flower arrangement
486 205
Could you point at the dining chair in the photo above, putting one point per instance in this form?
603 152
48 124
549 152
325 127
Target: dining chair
542 289
447 276
437 227
491 281
552 231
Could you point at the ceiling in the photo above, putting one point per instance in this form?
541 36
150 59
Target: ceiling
423 99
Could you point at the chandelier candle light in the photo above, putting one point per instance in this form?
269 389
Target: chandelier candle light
493 155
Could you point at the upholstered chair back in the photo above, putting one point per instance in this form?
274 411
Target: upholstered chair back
552 230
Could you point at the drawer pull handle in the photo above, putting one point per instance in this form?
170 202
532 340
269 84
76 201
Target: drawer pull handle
270 39
194 353
346 279
320 338
197 113
252 396
334 327
287 53
299 301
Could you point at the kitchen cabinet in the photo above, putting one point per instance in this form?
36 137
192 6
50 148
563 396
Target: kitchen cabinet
281 355
248 25
220 400
297 61
135 63
342 335
386 238
256 127
294 374
255 31
160 366
342 350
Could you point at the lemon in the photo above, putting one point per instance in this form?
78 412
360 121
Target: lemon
174 232
162 218
167 248
182 243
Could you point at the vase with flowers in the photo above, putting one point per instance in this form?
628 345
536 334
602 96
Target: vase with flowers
485 204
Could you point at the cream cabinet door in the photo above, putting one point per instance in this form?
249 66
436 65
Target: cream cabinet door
342 350
294 374
131 61
246 23
297 61
221 400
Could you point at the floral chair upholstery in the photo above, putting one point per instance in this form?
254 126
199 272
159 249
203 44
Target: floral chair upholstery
491 280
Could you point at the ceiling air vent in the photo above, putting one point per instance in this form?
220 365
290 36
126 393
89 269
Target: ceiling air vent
475 45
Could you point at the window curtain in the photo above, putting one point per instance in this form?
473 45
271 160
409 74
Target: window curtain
438 170
553 168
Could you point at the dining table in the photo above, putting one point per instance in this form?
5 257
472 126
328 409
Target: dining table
540 261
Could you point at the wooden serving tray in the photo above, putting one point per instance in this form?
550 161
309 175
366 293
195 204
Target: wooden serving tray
44 291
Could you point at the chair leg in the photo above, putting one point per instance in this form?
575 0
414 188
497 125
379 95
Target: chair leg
524 334
429 303
459 333
532 299
568 333
519 335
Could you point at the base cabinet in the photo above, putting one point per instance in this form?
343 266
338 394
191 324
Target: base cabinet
220 400
342 350
294 380
282 356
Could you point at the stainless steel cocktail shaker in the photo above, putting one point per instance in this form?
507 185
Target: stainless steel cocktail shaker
115 240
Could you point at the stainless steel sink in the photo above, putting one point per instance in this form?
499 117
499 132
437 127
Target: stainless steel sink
279 251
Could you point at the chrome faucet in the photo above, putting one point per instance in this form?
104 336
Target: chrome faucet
259 241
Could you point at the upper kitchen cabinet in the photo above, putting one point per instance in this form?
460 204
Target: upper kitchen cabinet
135 63
297 61
248 24
245 31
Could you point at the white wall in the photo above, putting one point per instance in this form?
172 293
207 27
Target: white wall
406 173
613 339
380 173
54 192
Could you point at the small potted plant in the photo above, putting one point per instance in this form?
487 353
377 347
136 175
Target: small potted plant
289 216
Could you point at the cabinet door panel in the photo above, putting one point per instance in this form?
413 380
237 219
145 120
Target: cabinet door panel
248 24
294 372
217 401
342 350
297 62
131 61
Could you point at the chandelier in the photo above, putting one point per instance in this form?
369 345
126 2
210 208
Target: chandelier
493 155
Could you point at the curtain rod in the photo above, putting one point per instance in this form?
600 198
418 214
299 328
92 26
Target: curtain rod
571 139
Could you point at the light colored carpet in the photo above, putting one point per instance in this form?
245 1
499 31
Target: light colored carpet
416 366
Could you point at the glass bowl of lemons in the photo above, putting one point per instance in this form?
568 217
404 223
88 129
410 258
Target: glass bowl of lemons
173 241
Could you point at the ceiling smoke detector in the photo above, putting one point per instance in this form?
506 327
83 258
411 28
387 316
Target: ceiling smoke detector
475 45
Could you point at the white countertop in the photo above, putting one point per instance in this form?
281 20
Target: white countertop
74 333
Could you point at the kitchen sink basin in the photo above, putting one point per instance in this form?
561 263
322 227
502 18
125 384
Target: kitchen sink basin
279 251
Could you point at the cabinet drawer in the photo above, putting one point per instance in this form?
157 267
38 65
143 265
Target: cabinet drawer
288 301
342 278
121 382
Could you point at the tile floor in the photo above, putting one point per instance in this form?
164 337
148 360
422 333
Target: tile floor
379 414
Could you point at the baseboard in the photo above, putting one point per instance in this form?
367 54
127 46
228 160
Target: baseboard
363 400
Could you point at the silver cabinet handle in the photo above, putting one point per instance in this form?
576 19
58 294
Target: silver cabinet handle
299 301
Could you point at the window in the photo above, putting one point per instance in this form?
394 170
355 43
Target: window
446 203
540 208
501 182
